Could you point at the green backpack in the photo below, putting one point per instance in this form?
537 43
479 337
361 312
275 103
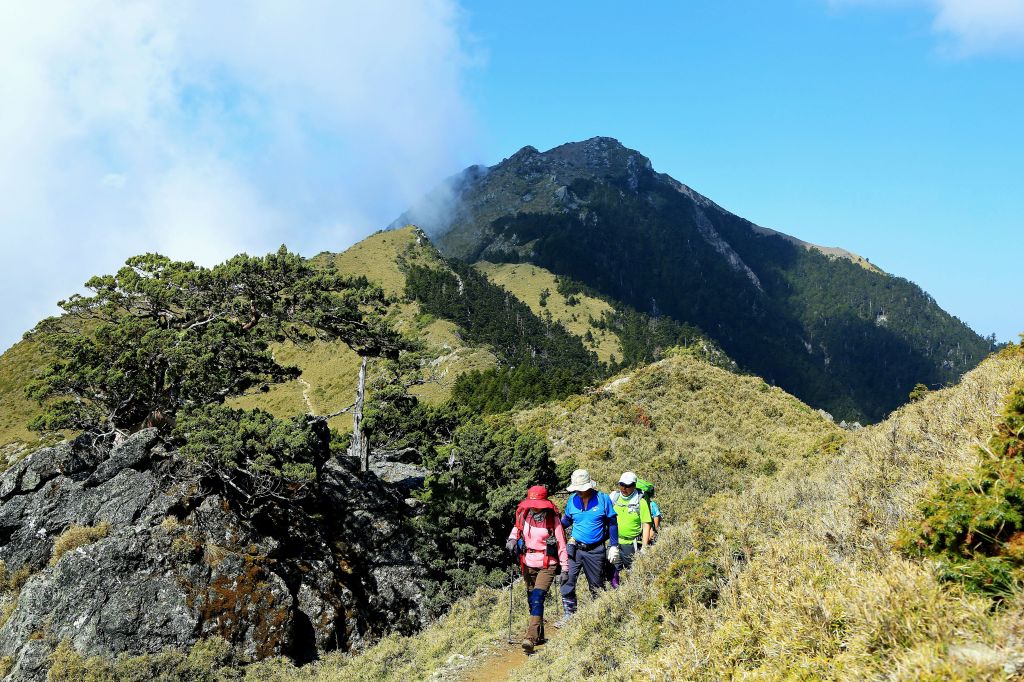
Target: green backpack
646 488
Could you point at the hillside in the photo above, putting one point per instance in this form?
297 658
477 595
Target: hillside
819 322
778 555
538 288
450 348
696 429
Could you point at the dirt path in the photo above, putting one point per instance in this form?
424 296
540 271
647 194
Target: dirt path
306 388
497 664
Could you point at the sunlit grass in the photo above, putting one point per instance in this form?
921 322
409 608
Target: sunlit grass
527 281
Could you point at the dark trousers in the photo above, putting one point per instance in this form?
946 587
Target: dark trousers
591 563
628 551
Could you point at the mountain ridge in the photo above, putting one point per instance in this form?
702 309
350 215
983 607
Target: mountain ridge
821 322
594 154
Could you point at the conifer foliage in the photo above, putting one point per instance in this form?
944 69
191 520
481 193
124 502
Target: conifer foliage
975 524
162 335
539 359
470 500
163 343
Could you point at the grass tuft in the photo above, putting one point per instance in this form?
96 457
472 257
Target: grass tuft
77 536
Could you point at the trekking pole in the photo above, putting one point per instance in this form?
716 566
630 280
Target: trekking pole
511 584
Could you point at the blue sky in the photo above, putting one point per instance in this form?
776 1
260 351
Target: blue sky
888 127
850 125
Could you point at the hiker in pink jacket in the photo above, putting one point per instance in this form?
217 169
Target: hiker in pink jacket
538 540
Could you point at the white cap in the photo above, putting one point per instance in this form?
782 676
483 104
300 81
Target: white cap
628 478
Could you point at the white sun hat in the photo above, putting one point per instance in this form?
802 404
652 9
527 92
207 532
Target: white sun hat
581 481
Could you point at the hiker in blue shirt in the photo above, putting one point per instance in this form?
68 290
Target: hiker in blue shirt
590 514
656 515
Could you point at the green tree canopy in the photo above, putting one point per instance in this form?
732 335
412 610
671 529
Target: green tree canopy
161 335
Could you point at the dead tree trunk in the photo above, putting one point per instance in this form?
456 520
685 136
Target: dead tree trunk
359 447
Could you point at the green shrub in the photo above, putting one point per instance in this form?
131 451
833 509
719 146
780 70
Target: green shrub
695 577
919 391
255 455
975 523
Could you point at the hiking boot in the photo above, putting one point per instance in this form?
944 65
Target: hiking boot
528 645
563 621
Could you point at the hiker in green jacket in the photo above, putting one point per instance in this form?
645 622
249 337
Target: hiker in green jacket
634 520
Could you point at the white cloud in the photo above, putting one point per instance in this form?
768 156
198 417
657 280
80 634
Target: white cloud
203 129
973 26
983 25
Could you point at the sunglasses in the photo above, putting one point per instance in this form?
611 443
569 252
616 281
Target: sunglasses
627 485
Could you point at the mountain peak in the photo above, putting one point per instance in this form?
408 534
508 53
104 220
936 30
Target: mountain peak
598 154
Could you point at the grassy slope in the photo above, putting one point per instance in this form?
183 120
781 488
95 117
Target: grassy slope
786 572
809 585
16 410
699 414
377 257
527 281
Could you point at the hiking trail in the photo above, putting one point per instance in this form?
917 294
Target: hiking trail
306 388
498 663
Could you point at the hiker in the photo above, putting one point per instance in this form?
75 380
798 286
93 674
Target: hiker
538 540
647 489
590 514
634 520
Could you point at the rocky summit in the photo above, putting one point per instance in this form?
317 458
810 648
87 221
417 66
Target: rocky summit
119 549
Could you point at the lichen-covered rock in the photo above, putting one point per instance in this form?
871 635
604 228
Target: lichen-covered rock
180 562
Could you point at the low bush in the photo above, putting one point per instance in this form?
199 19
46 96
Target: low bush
974 525
254 455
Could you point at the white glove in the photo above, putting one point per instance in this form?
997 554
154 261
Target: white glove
614 555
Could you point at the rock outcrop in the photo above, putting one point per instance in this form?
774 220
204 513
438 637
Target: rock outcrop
176 561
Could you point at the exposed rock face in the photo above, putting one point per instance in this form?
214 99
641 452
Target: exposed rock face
180 563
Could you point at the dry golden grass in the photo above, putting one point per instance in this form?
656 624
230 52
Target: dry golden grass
377 256
691 428
75 537
809 587
526 282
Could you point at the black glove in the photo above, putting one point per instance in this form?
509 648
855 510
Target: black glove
511 547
